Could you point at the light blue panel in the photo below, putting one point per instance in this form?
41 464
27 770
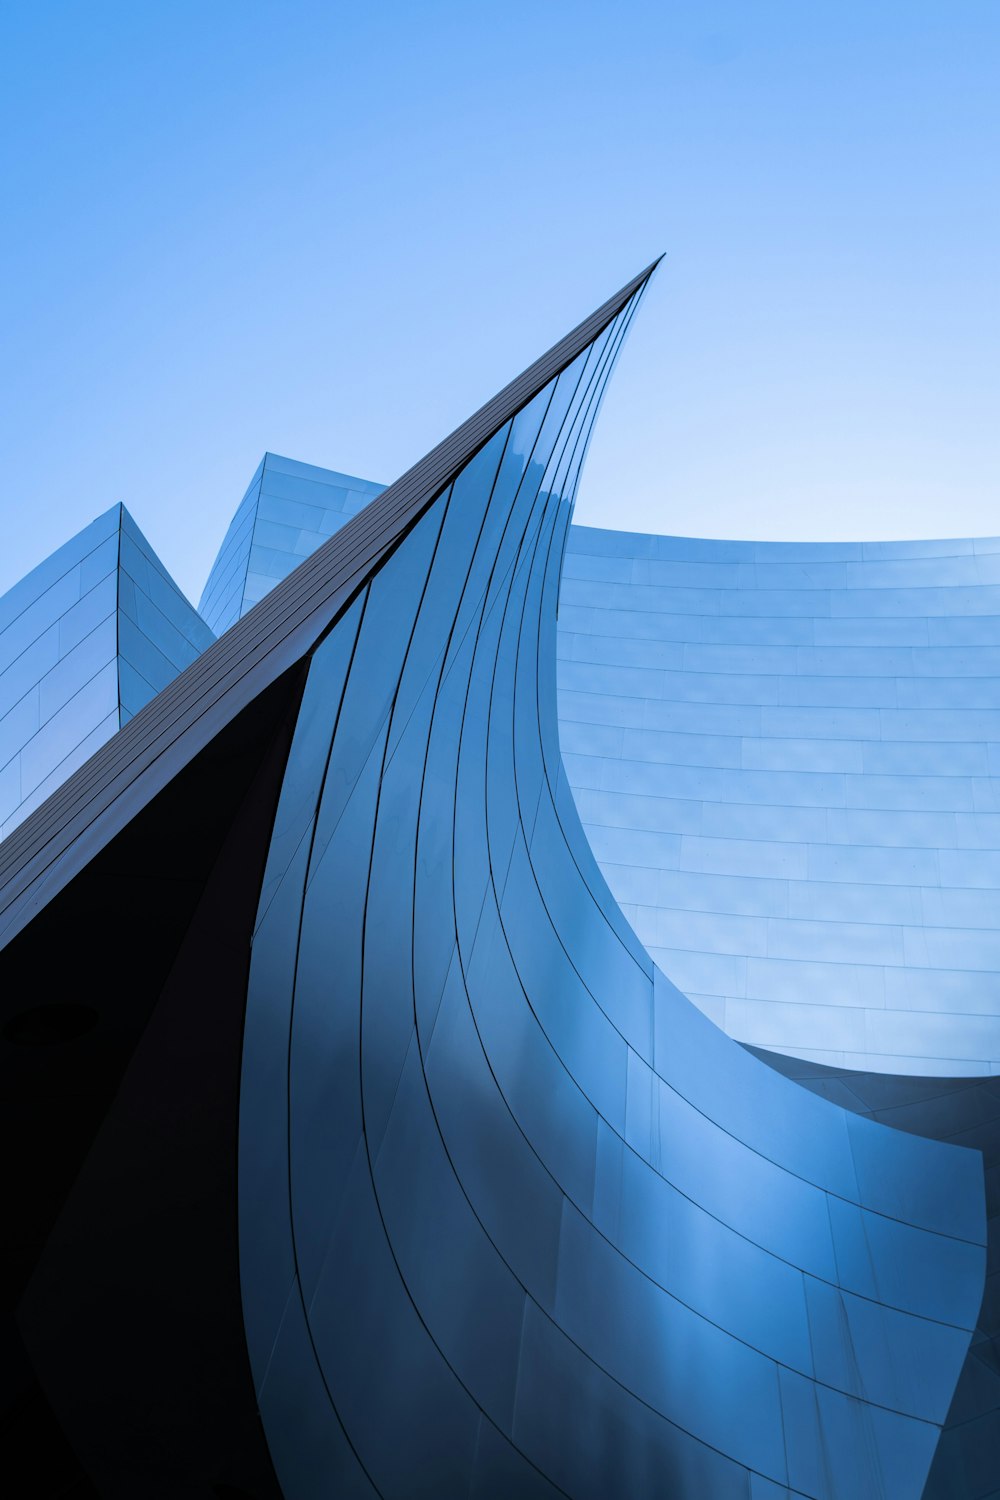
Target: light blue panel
946 792
646 847
841 901
947 906
938 759
654 746
74 670
971 599
619 651
789 1027
58 678
88 704
838 722
963 630
655 814
782 571
95 699
749 895
25 604
222 597
721 856
749 820
880 633
813 755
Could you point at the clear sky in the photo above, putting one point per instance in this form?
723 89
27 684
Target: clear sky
332 230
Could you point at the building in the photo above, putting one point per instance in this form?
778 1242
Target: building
371 1151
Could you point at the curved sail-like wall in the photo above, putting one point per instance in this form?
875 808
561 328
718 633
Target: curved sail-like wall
516 1219
787 761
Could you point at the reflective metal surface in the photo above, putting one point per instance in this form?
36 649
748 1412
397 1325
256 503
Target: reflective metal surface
86 639
966 1112
786 760
515 1217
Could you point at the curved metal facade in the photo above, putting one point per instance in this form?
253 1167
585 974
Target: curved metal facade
515 1218
967 1112
786 759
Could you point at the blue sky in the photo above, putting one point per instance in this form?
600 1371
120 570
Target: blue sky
332 230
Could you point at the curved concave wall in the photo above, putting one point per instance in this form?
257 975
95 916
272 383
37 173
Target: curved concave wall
515 1218
786 759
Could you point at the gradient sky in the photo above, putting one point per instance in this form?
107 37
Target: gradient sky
333 230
